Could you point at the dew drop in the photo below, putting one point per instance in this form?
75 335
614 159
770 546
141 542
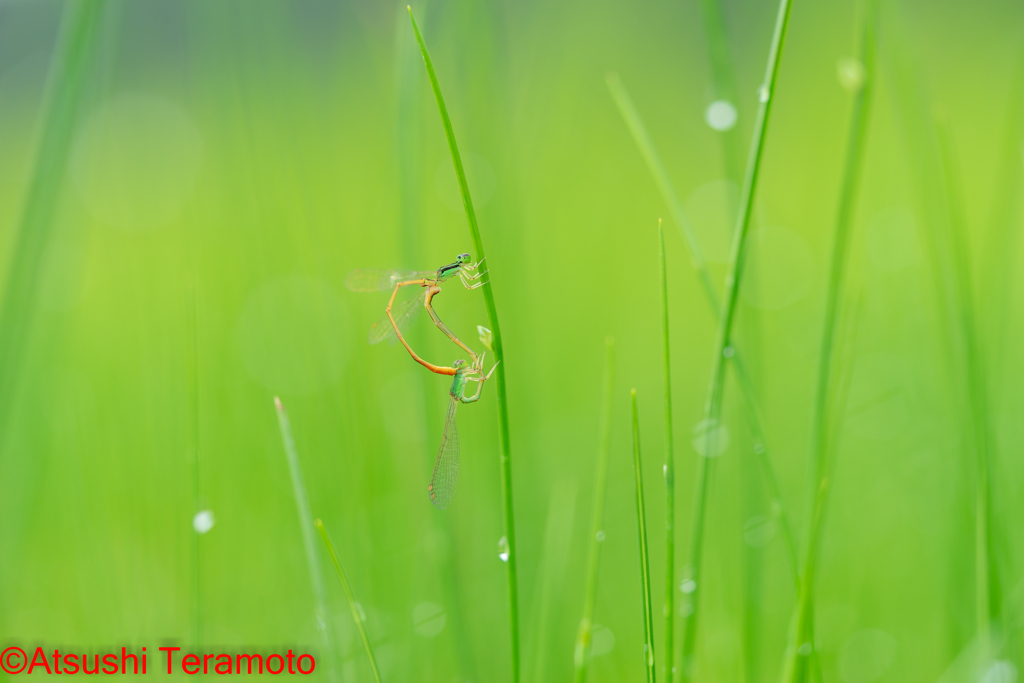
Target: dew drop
759 448
851 74
728 352
688 586
599 536
486 336
1000 671
763 93
710 439
203 521
503 550
720 115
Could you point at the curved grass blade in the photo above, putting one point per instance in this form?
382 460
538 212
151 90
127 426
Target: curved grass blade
583 635
73 63
446 466
723 350
752 411
670 472
505 447
357 615
404 314
645 567
801 645
668 192
306 525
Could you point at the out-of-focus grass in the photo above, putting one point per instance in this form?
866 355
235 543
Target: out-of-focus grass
248 152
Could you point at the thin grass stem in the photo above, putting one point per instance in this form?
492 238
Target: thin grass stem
723 350
645 567
73 63
585 631
353 606
938 185
723 79
664 183
801 645
670 471
499 356
987 593
752 411
306 525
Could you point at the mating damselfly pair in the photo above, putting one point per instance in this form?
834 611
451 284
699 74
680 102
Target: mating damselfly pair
397 318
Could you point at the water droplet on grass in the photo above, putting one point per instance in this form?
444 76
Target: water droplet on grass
486 336
688 586
851 74
203 521
1000 671
503 550
599 536
602 641
720 115
763 94
710 439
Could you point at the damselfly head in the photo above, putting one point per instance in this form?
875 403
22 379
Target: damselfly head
459 363
462 258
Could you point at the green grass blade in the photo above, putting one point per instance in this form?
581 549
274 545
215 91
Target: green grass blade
801 645
713 406
723 79
551 575
987 583
670 471
306 525
357 615
668 192
583 636
752 411
938 180
645 568
499 356
74 61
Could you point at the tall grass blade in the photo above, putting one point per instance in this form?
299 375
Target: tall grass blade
499 356
585 632
801 646
937 180
73 63
308 541
723 79
752 411
987 584
668 192
723 350
557 541
357 615
670 471
645 568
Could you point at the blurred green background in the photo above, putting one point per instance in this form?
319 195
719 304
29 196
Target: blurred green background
226 164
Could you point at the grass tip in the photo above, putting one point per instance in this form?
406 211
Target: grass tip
632 392
278 404
318 523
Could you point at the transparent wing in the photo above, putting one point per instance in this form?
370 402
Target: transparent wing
404 313
374 280
446 467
